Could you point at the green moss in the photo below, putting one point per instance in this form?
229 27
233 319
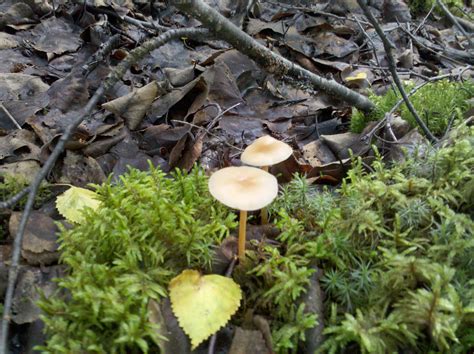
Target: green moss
395 247
11 185
418 7
149 228
436 103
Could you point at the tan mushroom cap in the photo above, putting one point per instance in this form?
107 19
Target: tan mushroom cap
243 188
266 151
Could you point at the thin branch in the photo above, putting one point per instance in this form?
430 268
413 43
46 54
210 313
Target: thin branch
208 132
422 23
468 25
141 24
15 123
99 56
117 73
15 199
454 55
374 49
314 11
389 47
271 62
454 21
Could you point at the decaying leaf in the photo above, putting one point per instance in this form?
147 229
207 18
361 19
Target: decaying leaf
203 304
132 107
71 203
39 244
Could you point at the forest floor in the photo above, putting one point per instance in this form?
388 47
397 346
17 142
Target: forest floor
198 101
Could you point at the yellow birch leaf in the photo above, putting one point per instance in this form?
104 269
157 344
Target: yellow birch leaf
203 304
359 76
72 201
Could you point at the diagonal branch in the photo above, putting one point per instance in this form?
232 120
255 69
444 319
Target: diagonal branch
134 56
389 48
15 199
454 21
271 62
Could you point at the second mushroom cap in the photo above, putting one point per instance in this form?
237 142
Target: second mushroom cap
243 188
266 151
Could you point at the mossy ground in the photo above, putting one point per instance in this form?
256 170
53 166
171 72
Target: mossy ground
418 7
10 186
395 247
438 104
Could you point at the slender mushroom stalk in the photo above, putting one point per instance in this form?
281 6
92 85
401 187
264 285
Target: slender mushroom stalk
264 211
245 189
242 233
265 152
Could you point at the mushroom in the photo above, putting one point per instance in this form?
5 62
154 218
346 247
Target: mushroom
265 152
246 189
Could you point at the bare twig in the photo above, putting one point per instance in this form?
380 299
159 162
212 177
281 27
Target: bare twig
314 11
101 54
422 23
272 62
389 48
456 56
208 132
118 72
374 49
141 24
10 116
468 26
15 199
454 21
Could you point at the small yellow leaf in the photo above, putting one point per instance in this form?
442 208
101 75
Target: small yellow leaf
359 76
71 203
203 304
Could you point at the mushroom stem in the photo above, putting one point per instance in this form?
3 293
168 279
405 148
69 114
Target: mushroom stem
264 211
242 234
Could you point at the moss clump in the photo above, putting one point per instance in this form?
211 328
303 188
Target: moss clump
149 228
420 7
10 186
436 103
395 247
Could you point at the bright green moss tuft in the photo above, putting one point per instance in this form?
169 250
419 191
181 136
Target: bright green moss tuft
396 250
422 7
436 103
395 247
149 228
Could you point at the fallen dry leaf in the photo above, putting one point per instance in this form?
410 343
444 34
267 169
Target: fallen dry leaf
40 240
132 107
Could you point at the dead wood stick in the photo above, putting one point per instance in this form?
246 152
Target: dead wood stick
139 23
389 48
15 123
468 25
271 62
15 199
314 11
453 20
116 74
100 55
